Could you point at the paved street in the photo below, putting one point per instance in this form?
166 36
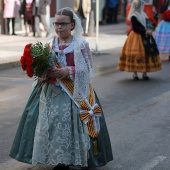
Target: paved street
136 112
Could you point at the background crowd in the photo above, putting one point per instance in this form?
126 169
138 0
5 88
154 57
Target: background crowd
33 13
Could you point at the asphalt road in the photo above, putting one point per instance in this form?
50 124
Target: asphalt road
137 115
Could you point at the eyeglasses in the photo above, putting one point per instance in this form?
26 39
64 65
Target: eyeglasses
62 24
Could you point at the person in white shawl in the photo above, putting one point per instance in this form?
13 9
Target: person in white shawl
140 52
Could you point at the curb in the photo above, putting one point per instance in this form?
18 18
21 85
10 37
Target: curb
11 64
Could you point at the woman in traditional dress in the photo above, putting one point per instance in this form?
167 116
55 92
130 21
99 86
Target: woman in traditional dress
27 14
139 53
63 123
162 32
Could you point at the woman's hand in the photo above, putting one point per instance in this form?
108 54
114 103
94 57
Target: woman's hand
59 73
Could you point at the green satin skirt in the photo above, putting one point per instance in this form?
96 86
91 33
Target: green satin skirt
22 148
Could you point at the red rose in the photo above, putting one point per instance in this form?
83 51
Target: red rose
23 66
23 62
29 71
29 61
27 47
27 51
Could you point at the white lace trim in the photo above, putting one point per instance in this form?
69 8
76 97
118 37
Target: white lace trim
83 69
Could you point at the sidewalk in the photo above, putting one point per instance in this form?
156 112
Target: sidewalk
11 47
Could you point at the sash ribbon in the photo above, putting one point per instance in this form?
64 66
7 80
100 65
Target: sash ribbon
94 113
89 112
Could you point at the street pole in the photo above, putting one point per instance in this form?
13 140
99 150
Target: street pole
96 51
97 24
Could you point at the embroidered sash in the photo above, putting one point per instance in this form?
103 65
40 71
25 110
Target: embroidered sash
89 110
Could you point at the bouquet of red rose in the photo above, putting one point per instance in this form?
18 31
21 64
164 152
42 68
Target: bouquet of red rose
37 59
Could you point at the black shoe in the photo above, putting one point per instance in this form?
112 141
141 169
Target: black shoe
145 77
14 34
135 77
60 167
56 168
115 22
